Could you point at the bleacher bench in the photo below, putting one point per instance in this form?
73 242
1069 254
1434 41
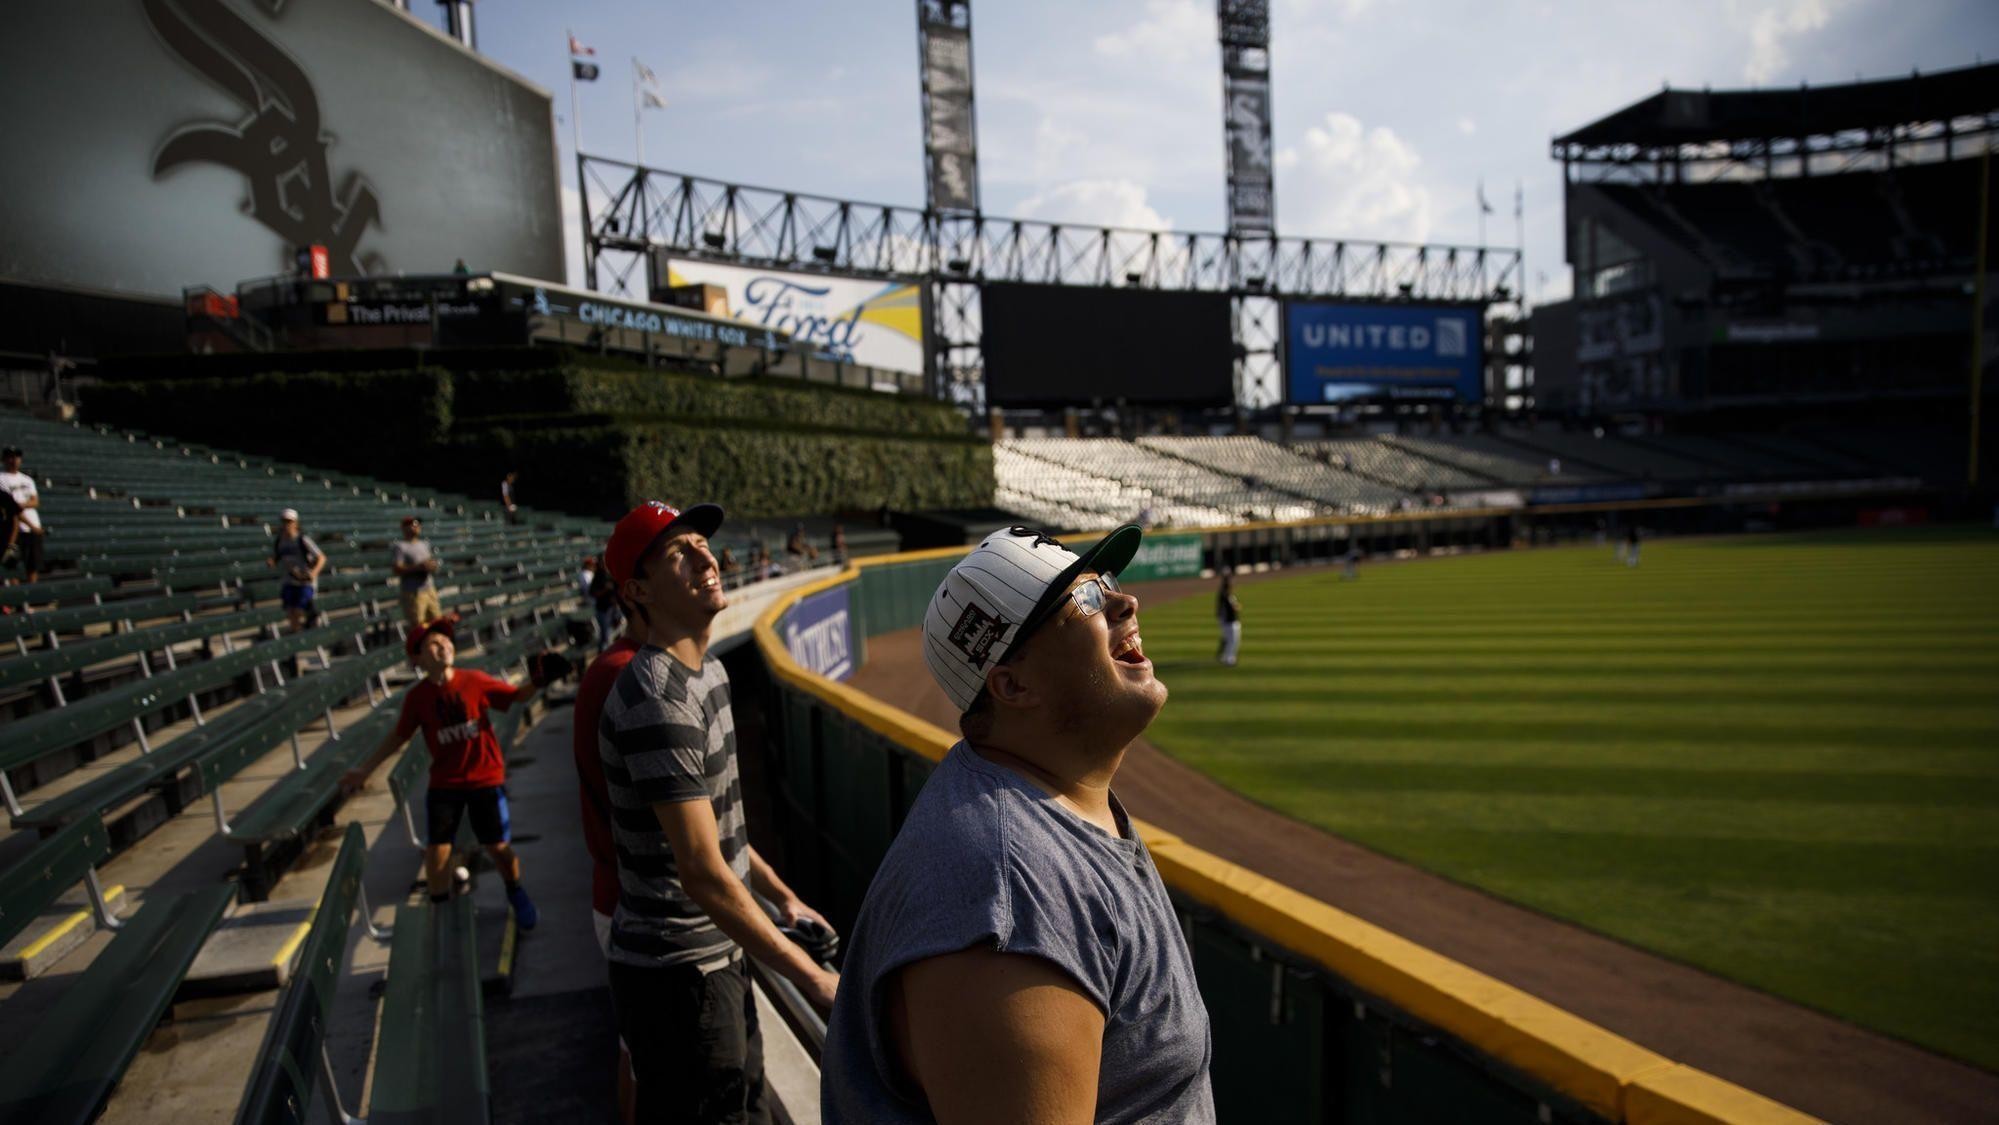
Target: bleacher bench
292 1060
65 1069
430 1059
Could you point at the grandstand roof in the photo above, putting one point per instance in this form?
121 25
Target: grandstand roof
1672 117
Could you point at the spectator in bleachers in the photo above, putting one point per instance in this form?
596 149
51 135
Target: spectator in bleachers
27 522
1228 614
685 916
507 496
838 545
799 553
596 797
414 563
585 575
604 606
1016 957
468 767
731 566
299 560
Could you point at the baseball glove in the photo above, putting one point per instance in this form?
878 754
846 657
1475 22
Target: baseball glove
547 667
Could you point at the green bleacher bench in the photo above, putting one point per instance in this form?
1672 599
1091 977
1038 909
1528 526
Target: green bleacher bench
274 829
64 1069
81 617
53 663
293 1060
48 731
56 864
116 786
56 590
430 1059
407 779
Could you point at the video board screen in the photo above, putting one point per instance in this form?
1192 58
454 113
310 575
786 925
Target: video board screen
1336 351
1065 345
158 145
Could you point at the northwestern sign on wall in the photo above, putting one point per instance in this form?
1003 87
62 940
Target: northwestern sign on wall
160 144
876 323
819 634
1334 351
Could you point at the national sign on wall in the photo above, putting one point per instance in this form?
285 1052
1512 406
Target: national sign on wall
876 323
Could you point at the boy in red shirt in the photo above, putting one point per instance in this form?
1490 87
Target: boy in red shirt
468 767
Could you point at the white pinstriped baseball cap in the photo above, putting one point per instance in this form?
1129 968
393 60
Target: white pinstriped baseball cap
1001 592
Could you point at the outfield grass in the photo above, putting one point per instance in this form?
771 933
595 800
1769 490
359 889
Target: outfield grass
1775 757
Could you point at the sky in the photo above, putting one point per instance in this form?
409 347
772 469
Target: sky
1386 116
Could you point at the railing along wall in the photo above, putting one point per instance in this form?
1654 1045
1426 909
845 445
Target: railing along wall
1317 1015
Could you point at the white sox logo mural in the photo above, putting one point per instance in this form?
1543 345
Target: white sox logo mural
280 147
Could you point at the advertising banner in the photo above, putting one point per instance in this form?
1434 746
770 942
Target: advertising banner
193 142
876 323
819 634
1165 556
1335 351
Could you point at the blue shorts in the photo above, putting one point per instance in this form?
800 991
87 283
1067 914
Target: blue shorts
295 597
443 808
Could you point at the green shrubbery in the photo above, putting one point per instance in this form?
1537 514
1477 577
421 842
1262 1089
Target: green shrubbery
587 435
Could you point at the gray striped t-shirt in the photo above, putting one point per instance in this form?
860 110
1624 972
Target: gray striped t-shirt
667 735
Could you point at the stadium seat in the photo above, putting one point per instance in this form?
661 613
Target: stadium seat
292 1060
67 1067
57 863
430 1056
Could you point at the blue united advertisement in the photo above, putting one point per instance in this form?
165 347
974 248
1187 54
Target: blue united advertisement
1335 351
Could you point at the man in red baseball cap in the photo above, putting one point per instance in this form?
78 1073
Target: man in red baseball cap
468 767
685 916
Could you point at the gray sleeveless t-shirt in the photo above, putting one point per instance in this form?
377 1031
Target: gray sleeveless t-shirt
988 860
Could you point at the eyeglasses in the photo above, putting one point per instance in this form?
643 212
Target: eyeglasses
1091 593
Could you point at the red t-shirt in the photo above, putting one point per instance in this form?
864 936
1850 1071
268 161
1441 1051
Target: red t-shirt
590 696
457 725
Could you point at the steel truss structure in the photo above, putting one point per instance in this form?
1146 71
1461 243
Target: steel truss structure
633 215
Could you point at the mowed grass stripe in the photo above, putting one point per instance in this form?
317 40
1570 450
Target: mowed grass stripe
1776 757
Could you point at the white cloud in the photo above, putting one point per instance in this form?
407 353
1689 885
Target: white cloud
1772 26
1173 31
1467 126
1111 203
1346 180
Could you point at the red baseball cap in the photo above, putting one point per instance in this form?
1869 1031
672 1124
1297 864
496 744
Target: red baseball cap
648 524
413 644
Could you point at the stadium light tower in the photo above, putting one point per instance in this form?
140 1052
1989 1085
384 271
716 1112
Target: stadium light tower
956 367
1252 192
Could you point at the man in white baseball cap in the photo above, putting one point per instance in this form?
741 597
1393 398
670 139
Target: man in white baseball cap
1016 957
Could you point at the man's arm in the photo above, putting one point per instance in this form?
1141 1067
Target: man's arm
706 876
764 878
997 1038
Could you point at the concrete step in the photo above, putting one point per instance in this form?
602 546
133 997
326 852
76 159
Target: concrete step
251 951
58 930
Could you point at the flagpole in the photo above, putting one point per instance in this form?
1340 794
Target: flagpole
638 118
1520 238
575 123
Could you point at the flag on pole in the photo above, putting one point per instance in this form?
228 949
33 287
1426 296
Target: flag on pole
583 71
647 89
576 46
1484 208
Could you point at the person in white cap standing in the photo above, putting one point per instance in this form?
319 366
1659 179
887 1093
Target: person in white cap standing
299 560
1016 957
